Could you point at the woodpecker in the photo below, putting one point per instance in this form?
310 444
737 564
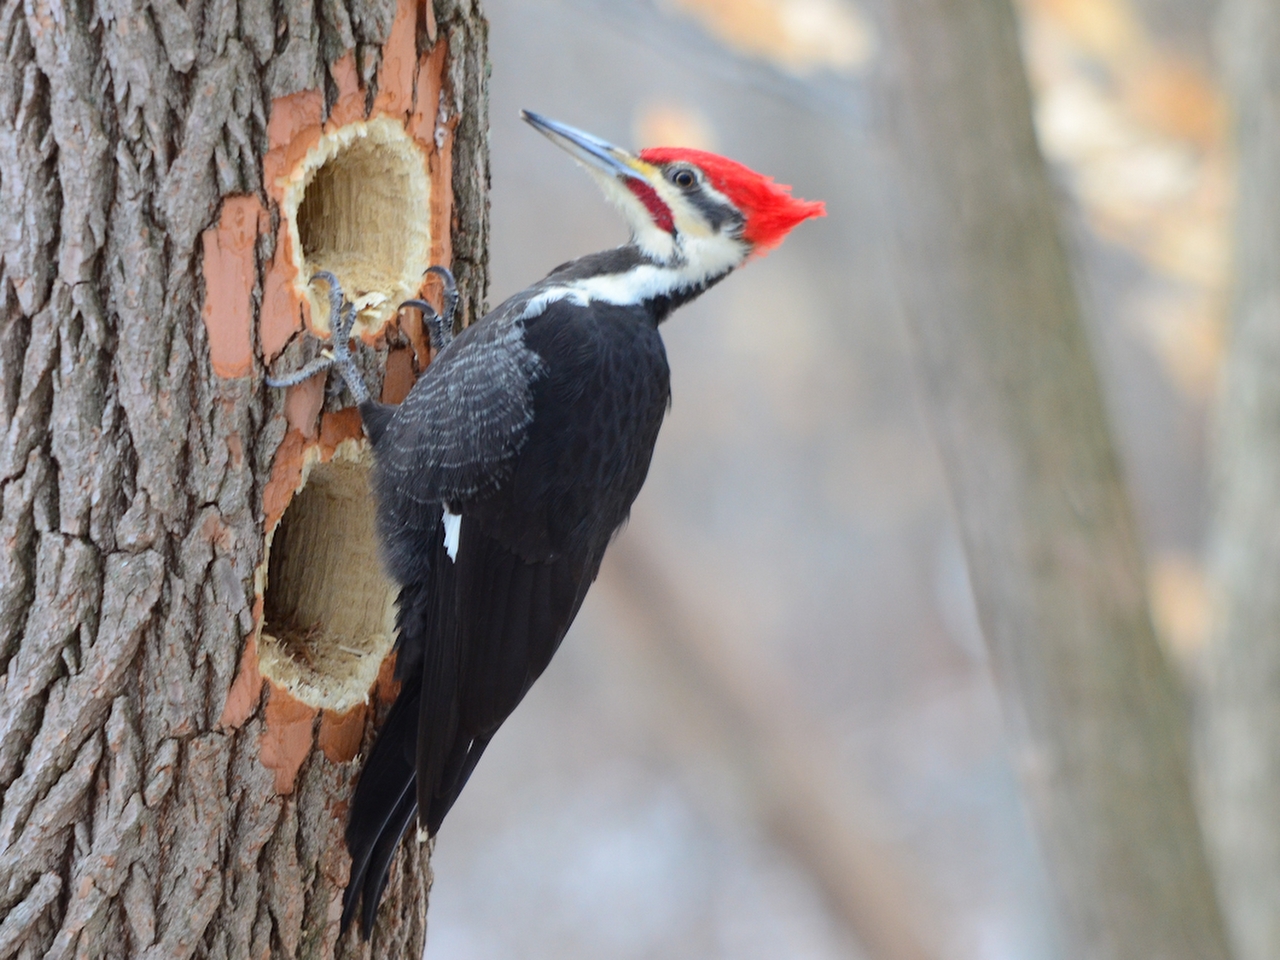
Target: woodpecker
515 458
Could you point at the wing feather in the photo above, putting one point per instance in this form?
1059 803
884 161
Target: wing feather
496 429
465 418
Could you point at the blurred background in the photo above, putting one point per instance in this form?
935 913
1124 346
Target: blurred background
774 721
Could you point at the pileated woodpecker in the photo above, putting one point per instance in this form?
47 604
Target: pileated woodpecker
515 458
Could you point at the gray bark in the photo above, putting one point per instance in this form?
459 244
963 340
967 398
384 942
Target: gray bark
1094 716
131 482
1240 730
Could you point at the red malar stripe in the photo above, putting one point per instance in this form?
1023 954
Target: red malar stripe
660 212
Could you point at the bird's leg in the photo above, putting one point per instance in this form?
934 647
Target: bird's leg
450 296
343 359
342 317
434 324
439 328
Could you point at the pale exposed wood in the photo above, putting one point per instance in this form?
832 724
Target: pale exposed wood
131 479
1095 720
1240 732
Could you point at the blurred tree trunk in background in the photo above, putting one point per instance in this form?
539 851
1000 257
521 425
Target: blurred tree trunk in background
132 822
1095 720
1240 733
716 692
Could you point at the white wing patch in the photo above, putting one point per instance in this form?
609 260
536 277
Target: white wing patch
452 532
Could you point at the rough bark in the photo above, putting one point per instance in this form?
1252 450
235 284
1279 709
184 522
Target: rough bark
1094 716
1240 730
132 822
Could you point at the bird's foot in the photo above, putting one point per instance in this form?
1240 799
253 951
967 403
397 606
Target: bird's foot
439 328
342 317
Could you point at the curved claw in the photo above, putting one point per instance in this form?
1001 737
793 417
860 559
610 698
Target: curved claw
440 328
420 305
440 334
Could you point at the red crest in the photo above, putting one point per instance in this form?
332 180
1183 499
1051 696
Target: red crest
770 209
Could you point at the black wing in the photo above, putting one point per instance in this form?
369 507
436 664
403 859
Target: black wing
467 414
538 503
530 548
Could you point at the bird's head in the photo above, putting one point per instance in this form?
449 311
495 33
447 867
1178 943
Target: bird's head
696 211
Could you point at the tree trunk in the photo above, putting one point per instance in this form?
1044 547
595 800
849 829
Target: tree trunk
1241 717
1094 717
169 177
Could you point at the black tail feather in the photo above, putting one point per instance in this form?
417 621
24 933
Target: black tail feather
381 814
378 810
384 851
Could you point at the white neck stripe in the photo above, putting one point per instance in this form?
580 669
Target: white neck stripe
703 258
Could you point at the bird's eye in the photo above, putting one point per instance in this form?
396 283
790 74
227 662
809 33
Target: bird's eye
684 178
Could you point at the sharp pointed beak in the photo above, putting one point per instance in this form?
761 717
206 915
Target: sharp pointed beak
587 149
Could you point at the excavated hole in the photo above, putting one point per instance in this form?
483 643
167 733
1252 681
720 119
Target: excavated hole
328 612
359 206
